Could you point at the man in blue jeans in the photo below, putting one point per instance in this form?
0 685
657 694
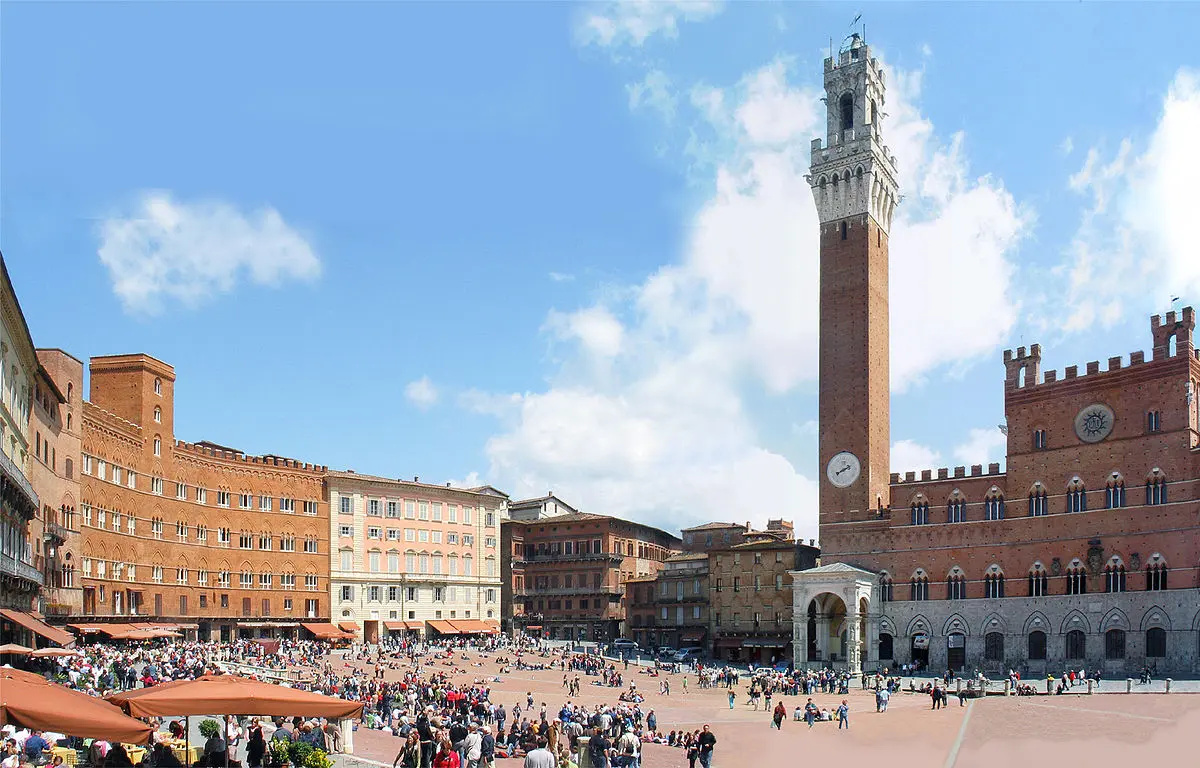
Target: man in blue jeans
843 715
706 742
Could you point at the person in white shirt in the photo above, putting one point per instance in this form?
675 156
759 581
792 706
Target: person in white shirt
473 746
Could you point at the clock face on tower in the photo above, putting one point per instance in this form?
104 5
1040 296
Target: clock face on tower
843 469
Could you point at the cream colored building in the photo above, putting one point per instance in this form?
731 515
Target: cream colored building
20 573
412 557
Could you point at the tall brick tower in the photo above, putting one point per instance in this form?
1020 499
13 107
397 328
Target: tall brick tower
853 178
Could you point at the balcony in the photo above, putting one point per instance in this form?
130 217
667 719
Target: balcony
13 567
61 532
17 478
568 591
564 558
677 600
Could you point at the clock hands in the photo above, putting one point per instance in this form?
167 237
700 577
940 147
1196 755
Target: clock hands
843 469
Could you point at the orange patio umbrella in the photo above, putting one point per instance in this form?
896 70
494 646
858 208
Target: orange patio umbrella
231 695
31 701
16 650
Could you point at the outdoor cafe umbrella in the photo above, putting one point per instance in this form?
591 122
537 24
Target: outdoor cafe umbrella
16 650
31 701
46 653
231 695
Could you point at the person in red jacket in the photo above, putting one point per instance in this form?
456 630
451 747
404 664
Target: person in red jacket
446 757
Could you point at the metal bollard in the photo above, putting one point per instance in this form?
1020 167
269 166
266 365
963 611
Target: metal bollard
1168 685
1129 685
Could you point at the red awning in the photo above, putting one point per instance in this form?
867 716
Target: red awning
415 626
38 627
533 627
348 626
394 626
324 631
444 627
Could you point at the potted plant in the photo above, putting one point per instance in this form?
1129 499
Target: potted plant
298 752
318 758
277 753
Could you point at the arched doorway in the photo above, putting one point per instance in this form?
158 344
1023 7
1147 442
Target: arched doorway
920 650
828 633
956 651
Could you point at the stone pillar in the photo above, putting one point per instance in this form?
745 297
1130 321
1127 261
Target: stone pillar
872 641
823 623
853 640
1089 682
584 760
800 643
347 726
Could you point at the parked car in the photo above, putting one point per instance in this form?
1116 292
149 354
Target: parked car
622 646
684 655
665 652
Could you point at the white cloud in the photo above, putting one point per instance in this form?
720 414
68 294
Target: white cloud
1067 146
1134 249
982 446
911 456
472 480
651 420
421 393
632 22
595 328
168 251
653 92
561 277
926 50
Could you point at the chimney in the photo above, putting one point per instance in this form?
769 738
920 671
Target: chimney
416 479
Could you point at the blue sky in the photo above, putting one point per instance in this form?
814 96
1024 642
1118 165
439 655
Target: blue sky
570 247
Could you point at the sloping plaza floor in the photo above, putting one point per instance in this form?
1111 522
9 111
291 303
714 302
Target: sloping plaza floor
1070 729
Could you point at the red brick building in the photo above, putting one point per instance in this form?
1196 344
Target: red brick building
567 573
1085 552
199 536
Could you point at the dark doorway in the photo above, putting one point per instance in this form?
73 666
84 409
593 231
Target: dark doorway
956 651
920 650
885 647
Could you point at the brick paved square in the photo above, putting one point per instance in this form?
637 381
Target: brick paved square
995 731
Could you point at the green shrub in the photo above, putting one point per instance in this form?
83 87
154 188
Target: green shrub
210 728
317 759
298 752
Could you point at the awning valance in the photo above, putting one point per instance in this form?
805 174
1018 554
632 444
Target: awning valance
38 627
533 628
324 631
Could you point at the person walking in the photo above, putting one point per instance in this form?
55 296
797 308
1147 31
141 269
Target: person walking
732 697
843 715
778 716
707 742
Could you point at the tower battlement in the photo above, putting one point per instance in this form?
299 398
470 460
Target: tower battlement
853 172
1173 338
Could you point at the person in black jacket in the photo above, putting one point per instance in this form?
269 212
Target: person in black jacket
425 732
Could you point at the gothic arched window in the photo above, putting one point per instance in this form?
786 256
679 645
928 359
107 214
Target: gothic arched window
847 111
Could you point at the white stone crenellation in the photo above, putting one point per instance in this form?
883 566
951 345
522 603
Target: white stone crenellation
853 172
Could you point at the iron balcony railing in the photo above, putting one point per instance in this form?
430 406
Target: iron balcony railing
14 567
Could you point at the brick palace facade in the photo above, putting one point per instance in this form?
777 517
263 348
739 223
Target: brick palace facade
1084 552
203 537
